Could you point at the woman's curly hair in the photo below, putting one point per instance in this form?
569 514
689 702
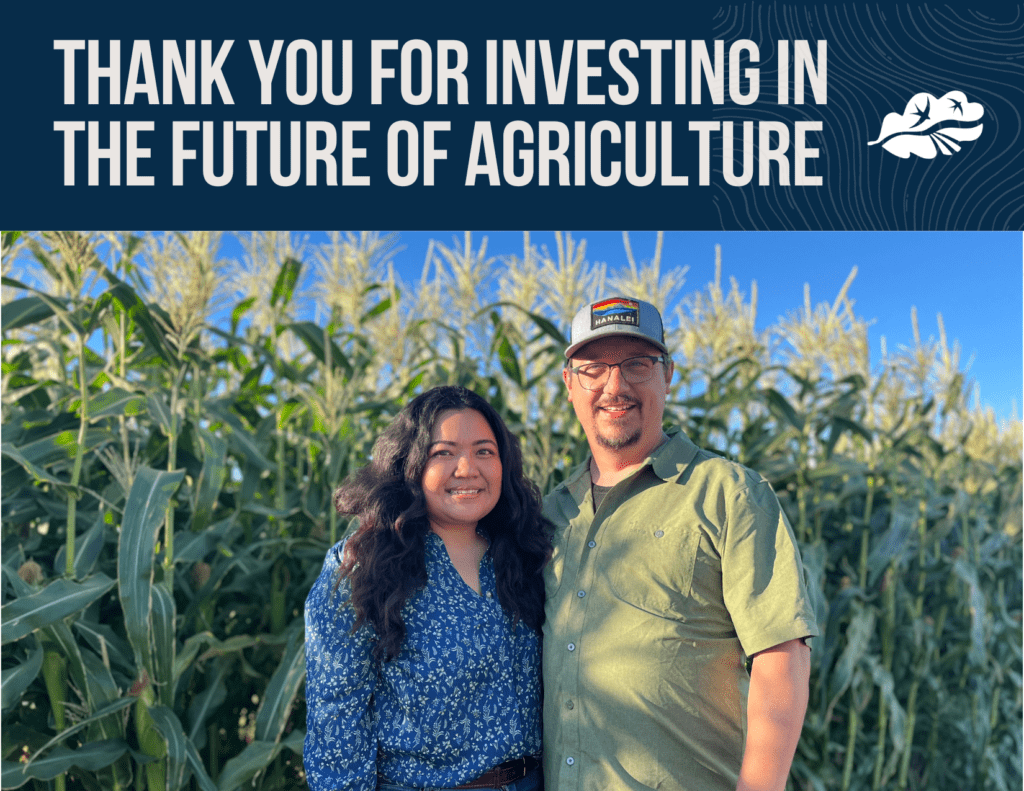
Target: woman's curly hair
385 559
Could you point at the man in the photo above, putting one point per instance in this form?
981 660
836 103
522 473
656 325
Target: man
671 568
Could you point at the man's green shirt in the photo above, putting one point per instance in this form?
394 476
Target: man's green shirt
654 603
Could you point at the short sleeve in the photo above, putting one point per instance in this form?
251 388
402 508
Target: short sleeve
762 574
340 749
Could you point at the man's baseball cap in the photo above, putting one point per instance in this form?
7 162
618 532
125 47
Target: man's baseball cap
616 316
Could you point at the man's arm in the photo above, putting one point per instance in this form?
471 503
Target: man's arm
776 705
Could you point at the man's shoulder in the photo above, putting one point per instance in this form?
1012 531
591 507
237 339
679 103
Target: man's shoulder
736 484
686 462
729 472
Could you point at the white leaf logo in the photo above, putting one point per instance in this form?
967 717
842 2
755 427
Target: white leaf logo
929 126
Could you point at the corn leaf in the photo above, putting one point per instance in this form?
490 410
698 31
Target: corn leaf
17 679
122 293
206 702
284 286
211 479
509 363
103 711
24 312
87 549
169 726
143 515
966 572
282 689
241 437
257 756
89 757
858 636
62 445
781 408
102 691
101 639
240 310
53 603
164 642
195 763
32 469
313 336
115 402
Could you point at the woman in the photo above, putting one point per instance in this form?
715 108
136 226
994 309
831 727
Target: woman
422 631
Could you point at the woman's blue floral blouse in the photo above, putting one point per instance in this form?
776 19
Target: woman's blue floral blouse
462 696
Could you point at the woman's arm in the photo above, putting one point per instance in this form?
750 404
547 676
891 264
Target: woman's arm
340 750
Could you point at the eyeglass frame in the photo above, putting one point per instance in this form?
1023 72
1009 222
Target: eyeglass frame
654 358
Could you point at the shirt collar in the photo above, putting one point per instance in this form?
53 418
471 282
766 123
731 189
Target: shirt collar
667 462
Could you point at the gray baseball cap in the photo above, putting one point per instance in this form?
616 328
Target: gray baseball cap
616 316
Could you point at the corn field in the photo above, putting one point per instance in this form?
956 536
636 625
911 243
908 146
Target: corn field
174 423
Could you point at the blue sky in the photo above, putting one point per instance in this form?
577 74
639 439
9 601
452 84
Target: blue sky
973 279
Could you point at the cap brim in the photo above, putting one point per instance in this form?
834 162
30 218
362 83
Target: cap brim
610 331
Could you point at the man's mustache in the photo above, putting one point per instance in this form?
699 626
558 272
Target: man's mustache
620 401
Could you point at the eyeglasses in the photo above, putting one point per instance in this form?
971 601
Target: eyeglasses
635 370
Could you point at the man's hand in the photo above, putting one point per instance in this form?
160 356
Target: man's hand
776 705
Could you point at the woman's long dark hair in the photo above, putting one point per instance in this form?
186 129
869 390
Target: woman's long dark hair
385 558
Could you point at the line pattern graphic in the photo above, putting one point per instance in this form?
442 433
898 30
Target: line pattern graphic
879 57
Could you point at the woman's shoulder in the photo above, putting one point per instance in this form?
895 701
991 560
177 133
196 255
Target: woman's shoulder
339 553
330 586
329 614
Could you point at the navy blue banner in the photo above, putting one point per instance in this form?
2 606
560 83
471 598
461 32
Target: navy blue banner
754 116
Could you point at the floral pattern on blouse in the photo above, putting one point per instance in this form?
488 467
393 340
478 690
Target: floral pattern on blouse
462 696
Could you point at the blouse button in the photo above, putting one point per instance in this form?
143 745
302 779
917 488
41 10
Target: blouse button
570 760
571 646
569 705
659 533
591 544
489 595
581 594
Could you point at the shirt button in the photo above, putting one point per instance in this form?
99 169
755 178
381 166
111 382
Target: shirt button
659 533
569 705
581 594
571 646
489 594
591 544
570 760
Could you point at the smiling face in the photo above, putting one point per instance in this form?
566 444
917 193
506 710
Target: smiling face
620 418
462 479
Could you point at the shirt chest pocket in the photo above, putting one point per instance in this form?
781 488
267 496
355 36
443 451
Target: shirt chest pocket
650 565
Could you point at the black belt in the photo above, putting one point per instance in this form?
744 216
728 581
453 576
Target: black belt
500 775
505 773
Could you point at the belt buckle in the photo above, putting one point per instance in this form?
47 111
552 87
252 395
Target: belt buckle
517 771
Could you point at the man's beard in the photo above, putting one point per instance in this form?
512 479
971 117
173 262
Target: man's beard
617 443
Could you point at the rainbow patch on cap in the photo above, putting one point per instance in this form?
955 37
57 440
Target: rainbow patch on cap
614 311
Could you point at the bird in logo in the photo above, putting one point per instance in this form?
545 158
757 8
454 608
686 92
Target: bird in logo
957 105
923 115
